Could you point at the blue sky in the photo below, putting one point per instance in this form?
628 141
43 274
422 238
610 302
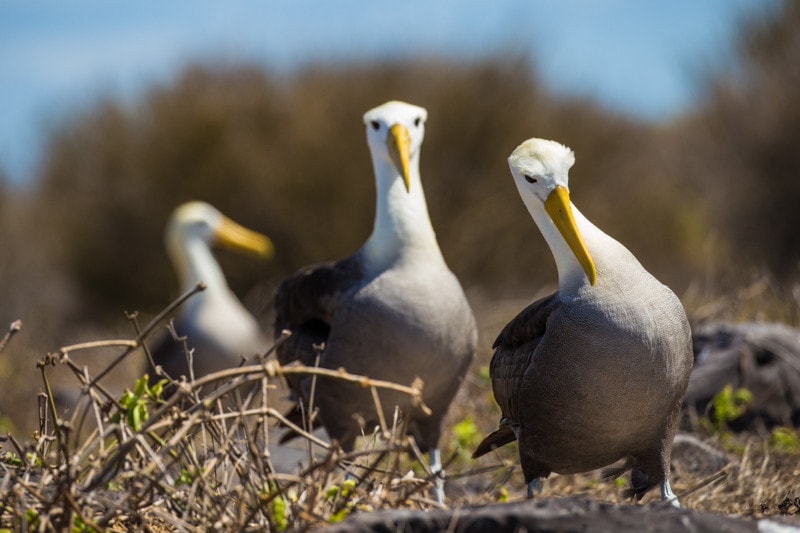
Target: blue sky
641 57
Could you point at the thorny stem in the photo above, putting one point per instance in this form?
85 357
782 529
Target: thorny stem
273 368
148 329
203 456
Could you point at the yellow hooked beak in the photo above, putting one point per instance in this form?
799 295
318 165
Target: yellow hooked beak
559 208
399 143
240 239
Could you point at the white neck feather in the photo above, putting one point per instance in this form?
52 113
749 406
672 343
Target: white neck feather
571 275
402 224
194 262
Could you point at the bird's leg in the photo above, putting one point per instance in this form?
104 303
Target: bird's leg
435 462
667 496
535 485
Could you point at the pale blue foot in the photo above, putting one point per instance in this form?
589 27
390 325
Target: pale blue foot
534 486
435 462
667 496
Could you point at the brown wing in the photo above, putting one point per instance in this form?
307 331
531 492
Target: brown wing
529 324
513 349
305 303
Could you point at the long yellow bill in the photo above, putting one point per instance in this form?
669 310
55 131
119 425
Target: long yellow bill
240 239
399 143
559 208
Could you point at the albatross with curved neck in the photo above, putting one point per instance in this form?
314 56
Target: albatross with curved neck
217 326
595 372
391 311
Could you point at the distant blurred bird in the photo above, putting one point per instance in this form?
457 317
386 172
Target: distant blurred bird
391 311
217 326
595 372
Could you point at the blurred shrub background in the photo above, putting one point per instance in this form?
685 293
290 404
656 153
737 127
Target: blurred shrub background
709 200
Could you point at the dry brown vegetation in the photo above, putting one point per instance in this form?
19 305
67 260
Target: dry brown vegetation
708 202
206 457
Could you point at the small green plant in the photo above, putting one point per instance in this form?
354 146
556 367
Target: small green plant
34 460
785 440
334 491
135 403
339 515
185 478
339 497
331 493
32 519
280 515
466 437
11 459
502 495
78 526
279 511
728 405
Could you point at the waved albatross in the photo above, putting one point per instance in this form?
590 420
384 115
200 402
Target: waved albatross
595 372
217 326
391 311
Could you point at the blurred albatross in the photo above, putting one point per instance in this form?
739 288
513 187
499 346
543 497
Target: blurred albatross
217 326
595 372
391 311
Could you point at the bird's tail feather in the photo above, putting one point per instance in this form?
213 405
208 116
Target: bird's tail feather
497 438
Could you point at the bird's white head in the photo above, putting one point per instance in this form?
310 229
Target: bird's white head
201 221
395 131
541 169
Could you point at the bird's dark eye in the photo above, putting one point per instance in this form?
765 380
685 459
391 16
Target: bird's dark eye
529 178
375 125
417 121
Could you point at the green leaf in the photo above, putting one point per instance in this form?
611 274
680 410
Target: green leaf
279 514
157 390
332 492
11 459
140 386
183 479
348 486
339 516
78 526
32 518
138 414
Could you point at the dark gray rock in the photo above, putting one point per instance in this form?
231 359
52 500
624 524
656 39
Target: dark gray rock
764 358
551 515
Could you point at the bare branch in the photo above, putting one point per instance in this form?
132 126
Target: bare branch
15 327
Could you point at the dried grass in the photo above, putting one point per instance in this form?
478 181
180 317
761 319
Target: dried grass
200 457
203 457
